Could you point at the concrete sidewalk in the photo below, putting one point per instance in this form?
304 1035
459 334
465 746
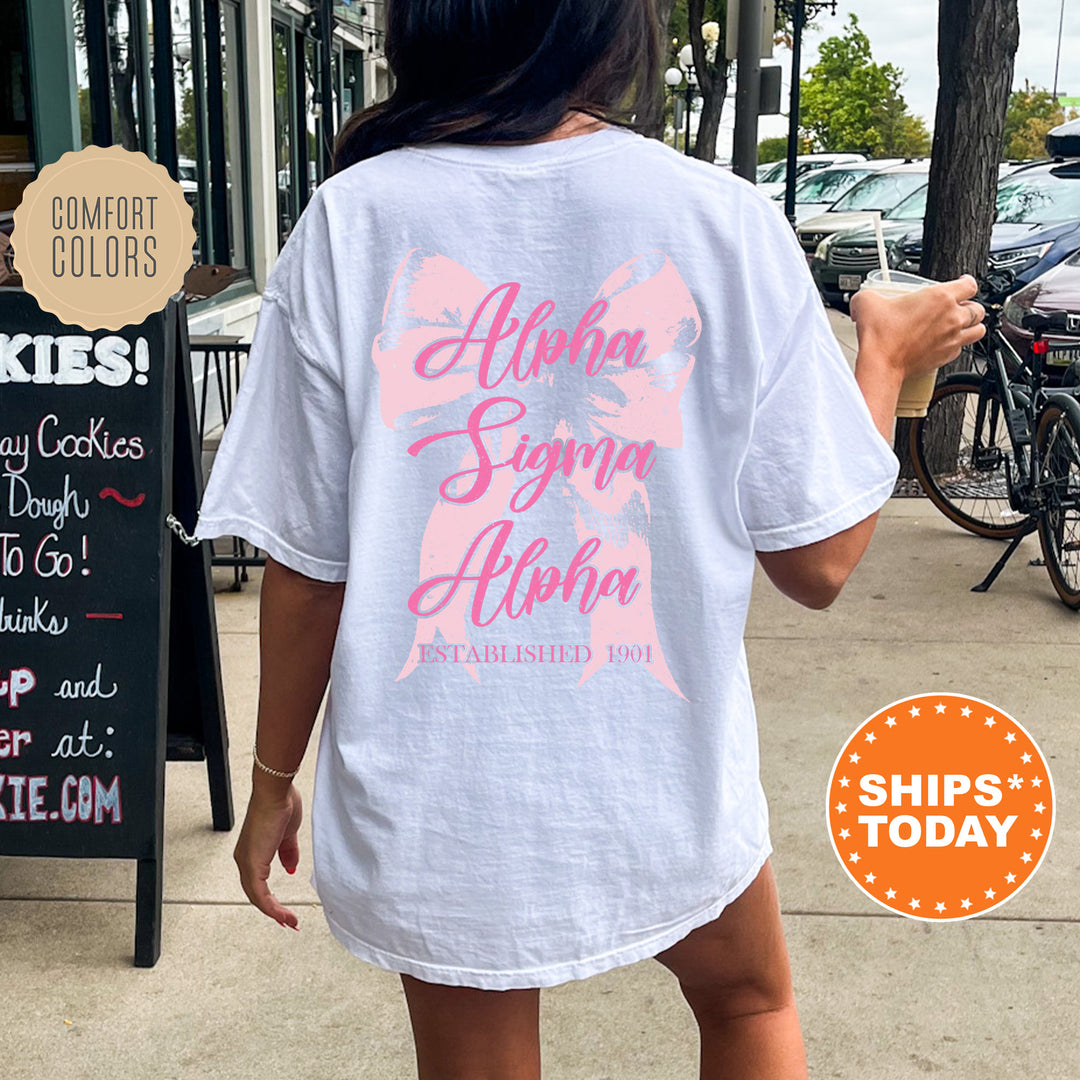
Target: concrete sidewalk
881 997
235 996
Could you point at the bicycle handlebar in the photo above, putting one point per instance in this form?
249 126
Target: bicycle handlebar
995 287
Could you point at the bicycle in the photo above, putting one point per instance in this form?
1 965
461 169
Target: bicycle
998 452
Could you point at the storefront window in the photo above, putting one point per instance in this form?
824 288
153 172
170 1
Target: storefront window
187 143
16 159
82 74
203 126
283 130
312 113
123 69
232 85
112 42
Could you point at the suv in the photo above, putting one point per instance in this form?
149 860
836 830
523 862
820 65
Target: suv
1037 226
881 191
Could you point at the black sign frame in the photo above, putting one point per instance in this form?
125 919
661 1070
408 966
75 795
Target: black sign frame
164 658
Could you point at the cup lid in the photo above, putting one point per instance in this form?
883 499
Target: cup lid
899 279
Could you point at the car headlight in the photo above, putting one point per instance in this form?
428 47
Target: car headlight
910 260
822 251
1014 257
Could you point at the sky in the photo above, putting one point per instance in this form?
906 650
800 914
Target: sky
904 33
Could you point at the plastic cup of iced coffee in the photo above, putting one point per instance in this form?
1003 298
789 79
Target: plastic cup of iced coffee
916 392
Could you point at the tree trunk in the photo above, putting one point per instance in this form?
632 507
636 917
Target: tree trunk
652 100
977 42
712 105
712 82
123 77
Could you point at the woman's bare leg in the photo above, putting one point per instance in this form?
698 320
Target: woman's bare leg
735 975
462 1033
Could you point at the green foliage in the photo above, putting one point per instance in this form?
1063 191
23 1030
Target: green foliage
85 129
678 35
852 105
185 129
1031 114
774 149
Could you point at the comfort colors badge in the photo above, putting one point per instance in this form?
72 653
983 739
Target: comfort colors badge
103 237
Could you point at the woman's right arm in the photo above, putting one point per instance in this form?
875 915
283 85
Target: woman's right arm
897 338
298 621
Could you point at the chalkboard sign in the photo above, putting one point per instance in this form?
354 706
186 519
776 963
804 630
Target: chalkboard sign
90 607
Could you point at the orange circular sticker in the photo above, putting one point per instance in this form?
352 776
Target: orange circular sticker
103 237
940 807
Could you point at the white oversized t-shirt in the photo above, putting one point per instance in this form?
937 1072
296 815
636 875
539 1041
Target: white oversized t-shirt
537 406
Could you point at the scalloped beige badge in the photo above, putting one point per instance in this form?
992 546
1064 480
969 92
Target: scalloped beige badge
103 237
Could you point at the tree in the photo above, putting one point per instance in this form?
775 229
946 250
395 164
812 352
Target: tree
772 149
703 23
706 27
852 105
652 104
912 138
902 133
1031 113
977 42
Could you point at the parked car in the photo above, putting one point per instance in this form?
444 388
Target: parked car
1038 221
1038 225
1056 290
775 178
882 191
1007 168
843 259
1064 140
816 191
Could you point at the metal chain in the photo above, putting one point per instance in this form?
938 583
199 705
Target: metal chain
181 533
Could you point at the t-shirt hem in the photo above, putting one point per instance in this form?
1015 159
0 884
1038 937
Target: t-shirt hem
835 521
549 975
278 549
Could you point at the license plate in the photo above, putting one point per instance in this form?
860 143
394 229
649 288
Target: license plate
850 282
1062 356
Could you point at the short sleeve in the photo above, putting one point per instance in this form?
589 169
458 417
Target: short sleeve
816 463
280 477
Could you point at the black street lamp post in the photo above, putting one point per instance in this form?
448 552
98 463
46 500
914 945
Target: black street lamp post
798 11
689 106
673 77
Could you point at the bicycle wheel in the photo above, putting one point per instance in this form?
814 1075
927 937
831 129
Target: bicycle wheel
960 451
1059 521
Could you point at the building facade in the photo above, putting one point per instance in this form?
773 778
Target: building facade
239 99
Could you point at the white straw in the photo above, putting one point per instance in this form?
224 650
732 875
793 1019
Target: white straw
883 256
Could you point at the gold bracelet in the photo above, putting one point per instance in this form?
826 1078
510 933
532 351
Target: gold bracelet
267 769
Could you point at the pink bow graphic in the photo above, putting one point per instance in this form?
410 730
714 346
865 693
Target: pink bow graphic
631 396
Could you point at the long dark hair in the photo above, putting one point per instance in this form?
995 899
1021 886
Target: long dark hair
506 71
